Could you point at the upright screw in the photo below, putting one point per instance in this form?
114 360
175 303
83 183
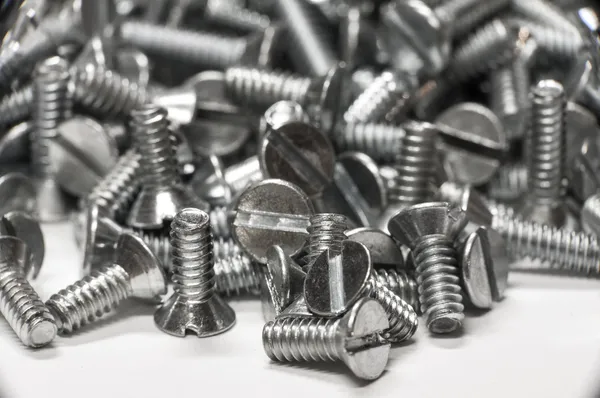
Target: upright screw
313 51
429 230
159 174
19 303
325 232
194 305
136 272
354 339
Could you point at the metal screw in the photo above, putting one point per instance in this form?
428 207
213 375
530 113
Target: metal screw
194 306
353 339
18 193
160 178
429 230
383 249
590 215
230 14
17 106
546 13
377 140
326 232
19 303
506 102
509 183
136 272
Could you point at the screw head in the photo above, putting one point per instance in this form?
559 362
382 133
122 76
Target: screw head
328 96
20 225
383 249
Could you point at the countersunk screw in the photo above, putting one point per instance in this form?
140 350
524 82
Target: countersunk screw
312 49
429 229
19 303
163 193
194 306
136 272
354 339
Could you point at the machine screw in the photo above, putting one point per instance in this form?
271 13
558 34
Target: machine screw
17 106
379 141
18 194
230 14
160 178
326 232
313 51
384 251
22 249
429 230
505 101
354 339
545 13
509 183
237 275
590 215
136 272
194 306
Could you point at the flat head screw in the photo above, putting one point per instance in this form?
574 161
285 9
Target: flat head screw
429 230
354 339
294 150
385 252
135 272
194 305
334 283
271 212
19 303
163 193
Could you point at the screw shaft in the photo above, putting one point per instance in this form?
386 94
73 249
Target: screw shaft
400 284
237 275
379 141
16 107
326 232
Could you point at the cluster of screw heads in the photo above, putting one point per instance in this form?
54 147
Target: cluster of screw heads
355 165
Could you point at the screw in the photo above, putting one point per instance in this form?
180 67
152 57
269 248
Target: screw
509 183
294 150
384 250
473 143
506 100
545 13
379 141
313 50
194 305
237 275
354 339
415 164
590 215
17 106
401 284
22 248
547 150
272 212
230 14
160 178
429 230
136 272
18 193
52 105
326 232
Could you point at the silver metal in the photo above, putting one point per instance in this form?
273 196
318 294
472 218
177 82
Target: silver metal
326 232
429 230
272 212
135 272
163 193
17 193
194 305
379 141
384 250
590 215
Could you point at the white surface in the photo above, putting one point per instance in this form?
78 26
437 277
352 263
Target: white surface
543 340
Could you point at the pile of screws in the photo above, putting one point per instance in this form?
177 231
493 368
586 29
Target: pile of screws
355 165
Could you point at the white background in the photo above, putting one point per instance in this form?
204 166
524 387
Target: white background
543 340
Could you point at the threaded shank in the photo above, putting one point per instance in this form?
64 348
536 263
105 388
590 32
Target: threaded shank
379 141
439 283
23 309
90 298
106 93
590 215
219 222
504 96
326 232
260 89
509 182
52 105
17 107
301 339
415 165
224 248
402 317
151 134
555 247
228 13
401 285
237 275
192 254
547 143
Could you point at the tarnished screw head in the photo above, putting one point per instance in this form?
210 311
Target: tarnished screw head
271 212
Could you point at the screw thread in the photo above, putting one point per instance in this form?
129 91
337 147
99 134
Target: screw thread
379 141
90 298
260 89
385 100
206 50
16 107
158 243
302 339
51 107
107 93
237 275
326 232
192 256
21 306
240 175
219 222
232 15
224 248
488 48
415 165
151 134
402 317
504 101
438 278
547 146
545 12
509 182
468 14
555 247
12 60
117 190
402 285
552 40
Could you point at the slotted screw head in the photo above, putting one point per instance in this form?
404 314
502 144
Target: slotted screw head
100 237
327 96
294 150
383 249
271 212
